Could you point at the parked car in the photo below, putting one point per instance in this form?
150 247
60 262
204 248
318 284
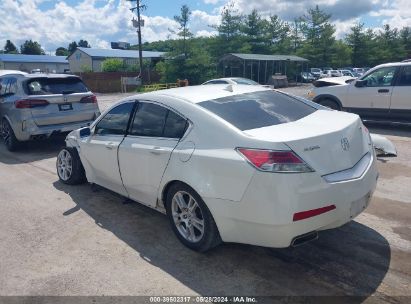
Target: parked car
231 80
248 165
330 73
316 72
8 72
346 73
34 106
359 71
306 77
327 69
382 94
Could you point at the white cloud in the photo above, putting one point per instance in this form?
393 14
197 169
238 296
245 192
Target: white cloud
98 24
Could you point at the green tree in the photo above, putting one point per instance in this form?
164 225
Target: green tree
113 65
72 47
183 19
254 29
389 43
357 41
61 51
10 48
30 47
277 35
83 43
319 35
341 54
229 34
405 38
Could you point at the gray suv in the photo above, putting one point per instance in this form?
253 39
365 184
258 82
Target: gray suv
35 106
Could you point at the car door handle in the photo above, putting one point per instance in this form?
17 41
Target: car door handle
383 91
110 145
156 150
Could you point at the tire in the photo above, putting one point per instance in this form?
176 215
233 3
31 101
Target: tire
329 103
69 167
9 138
182 219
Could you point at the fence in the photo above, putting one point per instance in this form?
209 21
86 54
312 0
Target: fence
110 82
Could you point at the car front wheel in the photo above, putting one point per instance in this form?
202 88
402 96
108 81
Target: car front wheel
190 218
69 168
329 103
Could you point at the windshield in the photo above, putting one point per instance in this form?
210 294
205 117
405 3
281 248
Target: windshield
316 70
245 81
47 86
259 109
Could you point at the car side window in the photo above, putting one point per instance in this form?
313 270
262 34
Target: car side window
116 121
153 120
12 89
380 78
175 126
405 78
3 86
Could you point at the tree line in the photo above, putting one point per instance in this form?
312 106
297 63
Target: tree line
30 47
311 36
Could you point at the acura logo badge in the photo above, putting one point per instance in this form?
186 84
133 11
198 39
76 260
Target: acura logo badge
345 144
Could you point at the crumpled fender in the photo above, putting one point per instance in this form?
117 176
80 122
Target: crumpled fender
383 146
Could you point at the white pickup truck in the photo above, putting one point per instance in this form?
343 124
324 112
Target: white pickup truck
382 94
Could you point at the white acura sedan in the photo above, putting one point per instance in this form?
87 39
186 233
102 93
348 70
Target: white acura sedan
232 163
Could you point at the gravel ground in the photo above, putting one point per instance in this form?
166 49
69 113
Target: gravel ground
59 240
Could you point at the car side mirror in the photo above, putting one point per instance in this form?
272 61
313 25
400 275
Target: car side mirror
360 83
84 132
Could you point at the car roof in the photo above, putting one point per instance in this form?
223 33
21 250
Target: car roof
11 72
196 94
41 75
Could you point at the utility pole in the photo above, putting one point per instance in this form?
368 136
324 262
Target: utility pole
137 24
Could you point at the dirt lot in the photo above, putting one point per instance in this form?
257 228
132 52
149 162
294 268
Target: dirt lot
62 240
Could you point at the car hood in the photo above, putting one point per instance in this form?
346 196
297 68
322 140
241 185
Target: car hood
325 82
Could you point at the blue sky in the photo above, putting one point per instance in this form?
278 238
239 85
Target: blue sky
56 23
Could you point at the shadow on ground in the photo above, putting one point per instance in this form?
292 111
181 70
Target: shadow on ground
393 130
31 151
351 260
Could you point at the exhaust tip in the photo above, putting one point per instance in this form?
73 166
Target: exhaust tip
304 238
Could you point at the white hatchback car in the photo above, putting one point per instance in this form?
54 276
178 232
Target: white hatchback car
238 163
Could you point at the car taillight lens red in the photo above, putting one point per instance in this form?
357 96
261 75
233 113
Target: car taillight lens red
89 99
30 103
310 213
275 161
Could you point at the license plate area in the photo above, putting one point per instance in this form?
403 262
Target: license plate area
359 205
65 107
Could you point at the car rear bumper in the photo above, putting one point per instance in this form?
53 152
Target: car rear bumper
264 216
27 130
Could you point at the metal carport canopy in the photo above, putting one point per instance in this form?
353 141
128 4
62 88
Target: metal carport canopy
265 57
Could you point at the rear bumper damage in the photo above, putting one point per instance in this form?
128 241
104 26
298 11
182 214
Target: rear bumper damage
266 214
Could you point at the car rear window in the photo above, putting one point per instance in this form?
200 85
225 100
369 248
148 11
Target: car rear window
259 109
46 86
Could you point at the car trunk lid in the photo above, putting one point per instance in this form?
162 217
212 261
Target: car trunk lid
328 141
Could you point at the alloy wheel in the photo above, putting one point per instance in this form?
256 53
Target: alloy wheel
188 217
64 165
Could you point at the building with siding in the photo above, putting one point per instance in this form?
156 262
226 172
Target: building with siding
90 59
27 63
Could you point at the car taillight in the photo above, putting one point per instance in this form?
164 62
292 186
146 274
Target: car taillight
89 99
30 103
310 213
275 161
